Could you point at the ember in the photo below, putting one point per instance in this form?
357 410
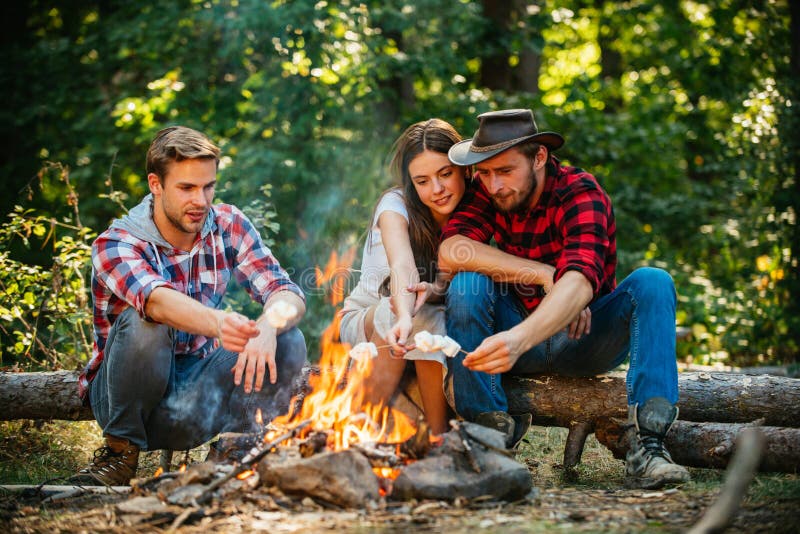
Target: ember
336 446
336 404
245 474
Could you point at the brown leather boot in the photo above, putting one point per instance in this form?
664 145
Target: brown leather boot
114 464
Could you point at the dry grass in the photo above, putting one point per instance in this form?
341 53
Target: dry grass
35 452
542 451
590 498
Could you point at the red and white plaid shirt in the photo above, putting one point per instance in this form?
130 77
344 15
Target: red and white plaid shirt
126 269
571 227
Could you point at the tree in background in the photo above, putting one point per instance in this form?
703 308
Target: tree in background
682 109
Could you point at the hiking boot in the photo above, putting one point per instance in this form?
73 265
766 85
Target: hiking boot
114 464
648 464
513 427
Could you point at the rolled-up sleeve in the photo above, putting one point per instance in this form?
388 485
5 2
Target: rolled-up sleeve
123 268
583 221
256 269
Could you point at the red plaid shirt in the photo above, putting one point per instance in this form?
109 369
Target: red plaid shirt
571 228
126 269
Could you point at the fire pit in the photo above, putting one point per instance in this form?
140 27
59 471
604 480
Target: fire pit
336 448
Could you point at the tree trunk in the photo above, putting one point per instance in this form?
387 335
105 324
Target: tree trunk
710 444
507 19
583 405
51 395
553 400
712 397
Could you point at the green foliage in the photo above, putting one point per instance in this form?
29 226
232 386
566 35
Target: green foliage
682 109
45 310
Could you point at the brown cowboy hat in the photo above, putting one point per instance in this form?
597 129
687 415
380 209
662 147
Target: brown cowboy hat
499 131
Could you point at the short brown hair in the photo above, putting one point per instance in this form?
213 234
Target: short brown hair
178 143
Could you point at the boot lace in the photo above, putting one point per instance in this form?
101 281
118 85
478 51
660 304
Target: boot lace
103 456
653 443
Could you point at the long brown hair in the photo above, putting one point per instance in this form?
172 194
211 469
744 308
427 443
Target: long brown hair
438 136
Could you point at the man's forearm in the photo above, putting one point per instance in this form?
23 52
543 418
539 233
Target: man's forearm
571 294
183 313
458 253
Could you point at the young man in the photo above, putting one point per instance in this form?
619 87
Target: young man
170 370
522 307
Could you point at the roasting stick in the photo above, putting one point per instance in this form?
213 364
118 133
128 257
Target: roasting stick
249 459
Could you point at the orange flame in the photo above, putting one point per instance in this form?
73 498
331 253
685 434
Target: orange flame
259 417
337 400
390 473
245 474
159 472
336 274
182 468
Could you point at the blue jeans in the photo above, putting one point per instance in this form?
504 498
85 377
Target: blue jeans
157 399
637 319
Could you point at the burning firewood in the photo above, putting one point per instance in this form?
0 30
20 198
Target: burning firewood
251 458
313 444
420 443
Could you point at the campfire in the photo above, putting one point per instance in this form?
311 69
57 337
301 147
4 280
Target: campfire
335 446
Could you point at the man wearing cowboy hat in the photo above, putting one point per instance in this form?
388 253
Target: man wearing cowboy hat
545 300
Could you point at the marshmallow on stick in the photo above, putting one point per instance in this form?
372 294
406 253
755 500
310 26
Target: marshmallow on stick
427 342
363 351
280 313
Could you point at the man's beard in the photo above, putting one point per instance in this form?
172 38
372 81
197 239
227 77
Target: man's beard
177 223
521 205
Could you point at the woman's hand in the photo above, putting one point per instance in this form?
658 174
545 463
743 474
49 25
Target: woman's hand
397 337
423 292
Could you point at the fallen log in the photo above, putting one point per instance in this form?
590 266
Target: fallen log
553 400
578 403
574 403
713 397
711 444
50 395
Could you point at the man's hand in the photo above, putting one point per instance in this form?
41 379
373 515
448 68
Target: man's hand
235 331
257 356
580 325
497 353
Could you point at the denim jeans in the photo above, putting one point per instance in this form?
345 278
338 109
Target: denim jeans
157 399
637 319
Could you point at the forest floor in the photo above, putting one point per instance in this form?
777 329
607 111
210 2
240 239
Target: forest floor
590 498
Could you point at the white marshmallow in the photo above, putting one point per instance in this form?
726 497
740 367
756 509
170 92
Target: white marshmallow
427 342
424 341
280 313
363 350
450 347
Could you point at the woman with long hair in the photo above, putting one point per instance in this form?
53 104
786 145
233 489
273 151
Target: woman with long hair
399 293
